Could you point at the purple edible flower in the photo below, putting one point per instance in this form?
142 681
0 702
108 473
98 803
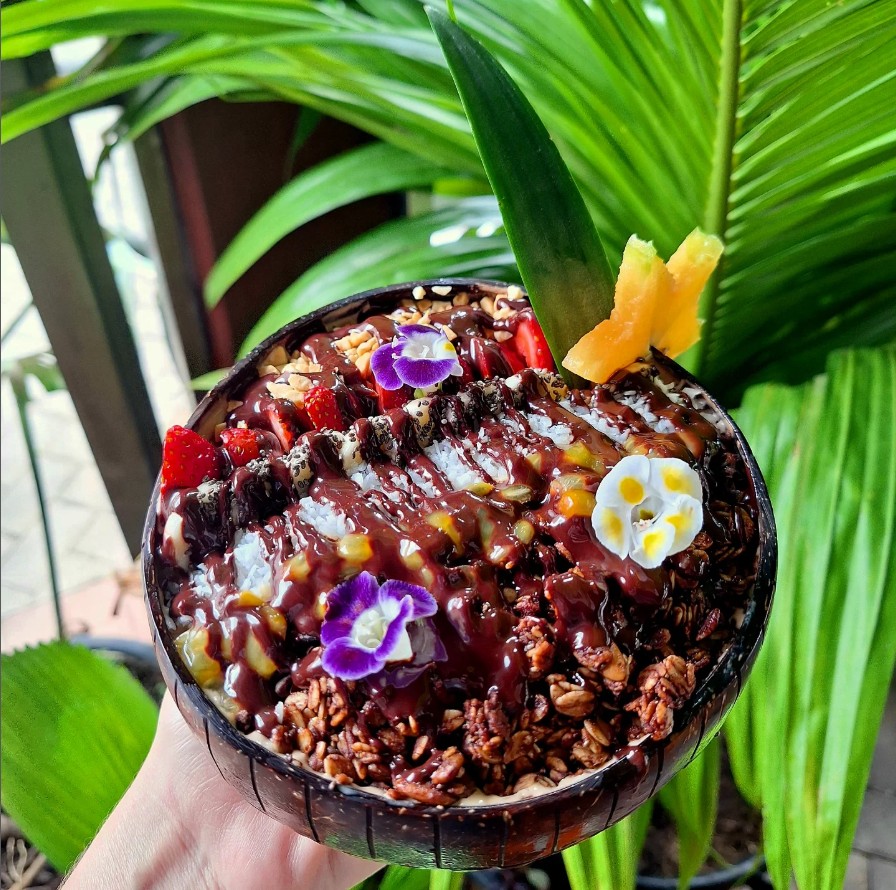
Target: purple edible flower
367 625
419 356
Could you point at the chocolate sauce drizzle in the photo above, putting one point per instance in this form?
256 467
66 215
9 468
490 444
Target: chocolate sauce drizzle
485 551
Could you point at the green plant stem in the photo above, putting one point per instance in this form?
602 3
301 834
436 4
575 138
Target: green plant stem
21 396
716 214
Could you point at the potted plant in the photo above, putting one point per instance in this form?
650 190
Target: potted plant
736 116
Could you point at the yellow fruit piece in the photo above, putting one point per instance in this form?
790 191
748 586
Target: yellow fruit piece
354 548
248 598
298 568
676 326
524 530
580 455
577 502
275 620
445 524
193 647
655 305
257 658
642 285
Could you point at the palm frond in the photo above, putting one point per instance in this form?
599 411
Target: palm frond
369 170
609 860
767 122
465 238
802 736
692 800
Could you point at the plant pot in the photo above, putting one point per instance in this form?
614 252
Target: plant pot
737 840
736 875
138 658
20 857
456 837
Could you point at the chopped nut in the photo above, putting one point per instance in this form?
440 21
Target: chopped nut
421 747
450 768
418 292
537 639
531 780
340 768
441 289
277 358
569 699
299 382
362 363
451 720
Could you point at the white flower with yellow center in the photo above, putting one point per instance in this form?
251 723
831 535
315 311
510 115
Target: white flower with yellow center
648 508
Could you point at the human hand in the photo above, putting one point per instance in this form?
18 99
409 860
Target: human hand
181 825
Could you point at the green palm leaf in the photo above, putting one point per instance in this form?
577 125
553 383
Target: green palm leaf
609 861
369 170
403 250
766 122
559 253
802 736
692 799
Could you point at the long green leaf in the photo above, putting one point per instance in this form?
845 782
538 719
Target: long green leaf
370 170
76 729
557 249
443 243
691 798
811 713
439 879
397 877
609 860
766 121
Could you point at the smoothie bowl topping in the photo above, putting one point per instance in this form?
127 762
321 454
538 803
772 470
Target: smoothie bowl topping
410 557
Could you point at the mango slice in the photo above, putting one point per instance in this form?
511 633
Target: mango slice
676 326
655 305
643 284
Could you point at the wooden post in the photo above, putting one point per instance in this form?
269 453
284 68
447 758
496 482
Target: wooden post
48 211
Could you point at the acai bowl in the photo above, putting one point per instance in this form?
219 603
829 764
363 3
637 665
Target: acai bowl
462 623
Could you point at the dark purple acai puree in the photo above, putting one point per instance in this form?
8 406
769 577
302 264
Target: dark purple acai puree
551 638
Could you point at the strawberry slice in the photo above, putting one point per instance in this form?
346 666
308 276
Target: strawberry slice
390 398
323 409
512 356
187 459
283 421
241 444
467 376
532 346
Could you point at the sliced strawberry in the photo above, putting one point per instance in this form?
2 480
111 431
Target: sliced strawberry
512 356
187 459
532 346
241 444
323 409
283 420
390 398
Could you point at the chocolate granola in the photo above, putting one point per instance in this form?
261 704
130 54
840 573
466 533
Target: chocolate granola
558 653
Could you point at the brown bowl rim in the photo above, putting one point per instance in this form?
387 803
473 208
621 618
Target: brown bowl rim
733 666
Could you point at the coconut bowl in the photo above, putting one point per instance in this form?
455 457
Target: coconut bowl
508 834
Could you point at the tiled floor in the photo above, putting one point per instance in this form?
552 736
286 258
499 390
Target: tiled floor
87 540
873 861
